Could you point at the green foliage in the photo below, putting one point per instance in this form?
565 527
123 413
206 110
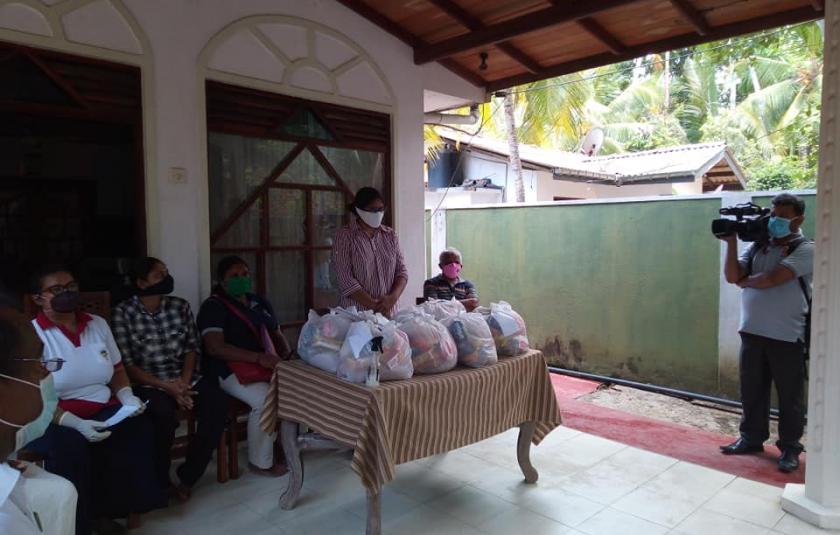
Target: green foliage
760 94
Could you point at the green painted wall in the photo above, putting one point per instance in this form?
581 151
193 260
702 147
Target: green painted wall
625 289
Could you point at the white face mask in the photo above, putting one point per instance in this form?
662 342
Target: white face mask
371 219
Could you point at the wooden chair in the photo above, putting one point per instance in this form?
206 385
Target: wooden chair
237 431
182 443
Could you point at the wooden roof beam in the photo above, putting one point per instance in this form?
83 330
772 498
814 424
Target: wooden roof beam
496 33
601 34
802 14
472 23
408 38
692 16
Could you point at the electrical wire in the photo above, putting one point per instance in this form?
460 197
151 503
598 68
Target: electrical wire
461 159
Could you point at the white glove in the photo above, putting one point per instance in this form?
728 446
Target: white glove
90 429
128 399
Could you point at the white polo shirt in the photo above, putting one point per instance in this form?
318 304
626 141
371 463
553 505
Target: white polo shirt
90 357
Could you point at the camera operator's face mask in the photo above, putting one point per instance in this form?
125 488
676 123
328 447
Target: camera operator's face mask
779 227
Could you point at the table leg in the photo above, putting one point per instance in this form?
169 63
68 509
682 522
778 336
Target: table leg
374 514
291 448
523 451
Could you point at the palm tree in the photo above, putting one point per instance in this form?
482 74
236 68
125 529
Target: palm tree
513 147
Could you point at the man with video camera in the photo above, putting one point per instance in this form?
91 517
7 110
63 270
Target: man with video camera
775 273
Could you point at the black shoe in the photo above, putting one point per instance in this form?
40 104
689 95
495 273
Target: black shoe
789 461
741 447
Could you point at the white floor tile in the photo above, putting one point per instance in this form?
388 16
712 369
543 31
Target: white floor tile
748 507
791 525
423 483
393 505
705 522
428 521
656 506
581 451
557 504
613 522
519 520
471 505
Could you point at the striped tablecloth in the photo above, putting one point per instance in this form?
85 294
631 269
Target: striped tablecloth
400 421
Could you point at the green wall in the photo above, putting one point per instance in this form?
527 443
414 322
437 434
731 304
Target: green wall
625 289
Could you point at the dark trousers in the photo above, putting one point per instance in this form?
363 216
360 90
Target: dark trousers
210 410
114 477
765 361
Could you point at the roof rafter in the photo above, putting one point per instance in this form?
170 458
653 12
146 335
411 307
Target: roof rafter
692 16
495 33
601 34
408 38
472 23
793 16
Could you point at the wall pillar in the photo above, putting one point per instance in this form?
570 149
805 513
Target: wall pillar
729 311
818 500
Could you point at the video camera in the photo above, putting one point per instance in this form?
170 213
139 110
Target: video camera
750 223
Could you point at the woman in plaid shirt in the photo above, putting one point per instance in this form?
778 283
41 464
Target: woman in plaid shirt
159 343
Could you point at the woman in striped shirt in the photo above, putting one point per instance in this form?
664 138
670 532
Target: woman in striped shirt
367 259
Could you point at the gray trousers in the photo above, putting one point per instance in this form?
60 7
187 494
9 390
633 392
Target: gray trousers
765 361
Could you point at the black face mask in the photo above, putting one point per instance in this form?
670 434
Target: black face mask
164 287
65 302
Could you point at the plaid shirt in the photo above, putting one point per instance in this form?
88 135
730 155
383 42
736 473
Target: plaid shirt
156 342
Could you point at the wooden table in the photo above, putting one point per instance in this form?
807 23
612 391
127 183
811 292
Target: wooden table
402 421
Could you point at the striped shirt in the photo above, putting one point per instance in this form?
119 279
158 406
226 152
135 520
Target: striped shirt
441 288
361 262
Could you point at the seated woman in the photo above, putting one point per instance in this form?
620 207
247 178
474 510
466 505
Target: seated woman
32 501
242 345
113 468
449 283
159 343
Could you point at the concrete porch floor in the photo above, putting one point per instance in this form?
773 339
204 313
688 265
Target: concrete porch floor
588 485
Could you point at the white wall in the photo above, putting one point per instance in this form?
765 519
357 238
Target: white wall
169 39
548 188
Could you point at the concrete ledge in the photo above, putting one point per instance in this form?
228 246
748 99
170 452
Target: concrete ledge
796 503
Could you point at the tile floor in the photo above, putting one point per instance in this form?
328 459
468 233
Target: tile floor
588 486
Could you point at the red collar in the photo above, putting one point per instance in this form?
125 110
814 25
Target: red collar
82 320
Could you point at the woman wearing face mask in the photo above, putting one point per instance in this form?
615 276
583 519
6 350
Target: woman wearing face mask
159 343
32 501
112 468
367 258
242 345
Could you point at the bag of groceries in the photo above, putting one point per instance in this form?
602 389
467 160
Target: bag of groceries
321 339
476 347
395 362
441 309
354 361
432 347
508 329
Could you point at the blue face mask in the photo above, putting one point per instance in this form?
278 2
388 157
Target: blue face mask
37 427
778 227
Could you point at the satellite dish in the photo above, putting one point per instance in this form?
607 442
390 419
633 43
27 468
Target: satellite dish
591 144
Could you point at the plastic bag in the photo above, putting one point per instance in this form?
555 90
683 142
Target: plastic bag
321 339
476 347
508 329
441 309
395 362
432 347
354 361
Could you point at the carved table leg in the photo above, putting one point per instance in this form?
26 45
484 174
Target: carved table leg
291 448
523 452
374 514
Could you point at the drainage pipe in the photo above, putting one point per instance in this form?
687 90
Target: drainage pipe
453 118
673 392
